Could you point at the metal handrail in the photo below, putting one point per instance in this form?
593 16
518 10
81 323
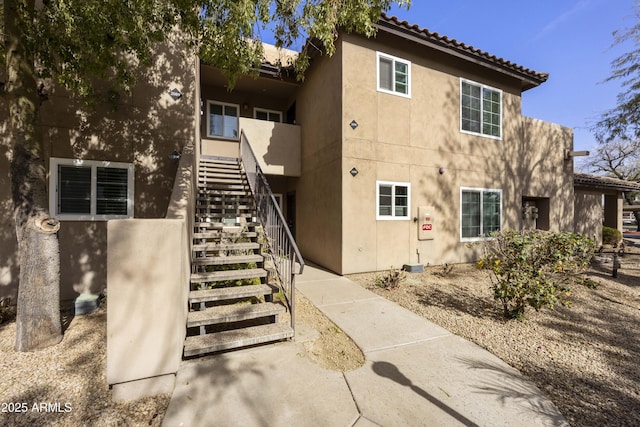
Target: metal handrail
284 251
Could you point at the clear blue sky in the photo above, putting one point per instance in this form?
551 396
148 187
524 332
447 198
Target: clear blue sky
569 39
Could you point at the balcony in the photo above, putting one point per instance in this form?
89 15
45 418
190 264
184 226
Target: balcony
276 146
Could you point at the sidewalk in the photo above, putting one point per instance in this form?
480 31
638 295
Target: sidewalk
415 373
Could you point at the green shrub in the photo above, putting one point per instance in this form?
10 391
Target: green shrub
535 268
611 236
390 279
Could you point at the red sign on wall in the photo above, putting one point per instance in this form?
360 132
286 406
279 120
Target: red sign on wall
427 227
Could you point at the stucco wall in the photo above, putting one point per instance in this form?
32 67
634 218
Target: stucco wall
544 171
588 214
319 189
410 139
143 129
149 265
275 145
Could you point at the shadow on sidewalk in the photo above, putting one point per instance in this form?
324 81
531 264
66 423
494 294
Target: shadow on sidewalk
390 371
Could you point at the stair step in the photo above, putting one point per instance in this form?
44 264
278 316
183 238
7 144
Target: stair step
232 313
229 293
220 226
213 208
218 159
213 246
226 217
209 343
220 202
218 276
222 186
222 205
222 178
229 220
212 167
224 234
222 175
220 192
226 260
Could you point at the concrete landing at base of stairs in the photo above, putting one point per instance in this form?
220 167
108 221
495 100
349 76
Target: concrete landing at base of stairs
415 374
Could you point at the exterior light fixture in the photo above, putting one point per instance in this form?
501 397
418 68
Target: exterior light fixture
353 124
442 170
175 94
175 156
353 172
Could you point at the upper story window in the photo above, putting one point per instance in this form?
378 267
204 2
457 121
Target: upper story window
222 120
268 115
393 200
480 212
88 190
394 75
480 109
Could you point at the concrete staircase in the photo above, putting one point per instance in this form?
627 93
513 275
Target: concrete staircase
230 300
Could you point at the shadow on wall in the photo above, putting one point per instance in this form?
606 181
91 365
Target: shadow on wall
283 150
144 129
528 161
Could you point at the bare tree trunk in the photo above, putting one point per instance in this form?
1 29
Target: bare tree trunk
38 309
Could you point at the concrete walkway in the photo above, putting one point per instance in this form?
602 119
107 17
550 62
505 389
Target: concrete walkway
415 374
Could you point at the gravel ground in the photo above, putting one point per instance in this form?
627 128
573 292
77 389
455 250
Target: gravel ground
585 358
66 385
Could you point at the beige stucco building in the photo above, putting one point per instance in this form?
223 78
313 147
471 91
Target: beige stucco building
400 149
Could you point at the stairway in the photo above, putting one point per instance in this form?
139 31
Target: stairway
230 300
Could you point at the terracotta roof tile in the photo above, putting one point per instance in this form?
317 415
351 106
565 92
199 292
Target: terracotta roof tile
603 182
533 78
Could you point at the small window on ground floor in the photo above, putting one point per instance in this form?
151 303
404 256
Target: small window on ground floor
392 200
480 212
87 190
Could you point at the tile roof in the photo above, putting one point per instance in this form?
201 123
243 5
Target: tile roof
603 182
528 77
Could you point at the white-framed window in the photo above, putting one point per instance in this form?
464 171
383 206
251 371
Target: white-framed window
222 120
89 190
268 115
393 74
393 200
480 109
480 212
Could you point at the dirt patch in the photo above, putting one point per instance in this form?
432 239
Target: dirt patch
332 349
584 358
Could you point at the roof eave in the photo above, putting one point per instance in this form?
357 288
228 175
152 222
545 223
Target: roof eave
527 81
588 181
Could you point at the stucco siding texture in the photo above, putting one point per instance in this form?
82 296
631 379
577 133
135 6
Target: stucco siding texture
319 188
142 128
402 139
588 214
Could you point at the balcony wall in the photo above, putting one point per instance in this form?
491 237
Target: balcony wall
276 146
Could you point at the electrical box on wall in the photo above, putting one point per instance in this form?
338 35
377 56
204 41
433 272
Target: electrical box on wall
426 226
